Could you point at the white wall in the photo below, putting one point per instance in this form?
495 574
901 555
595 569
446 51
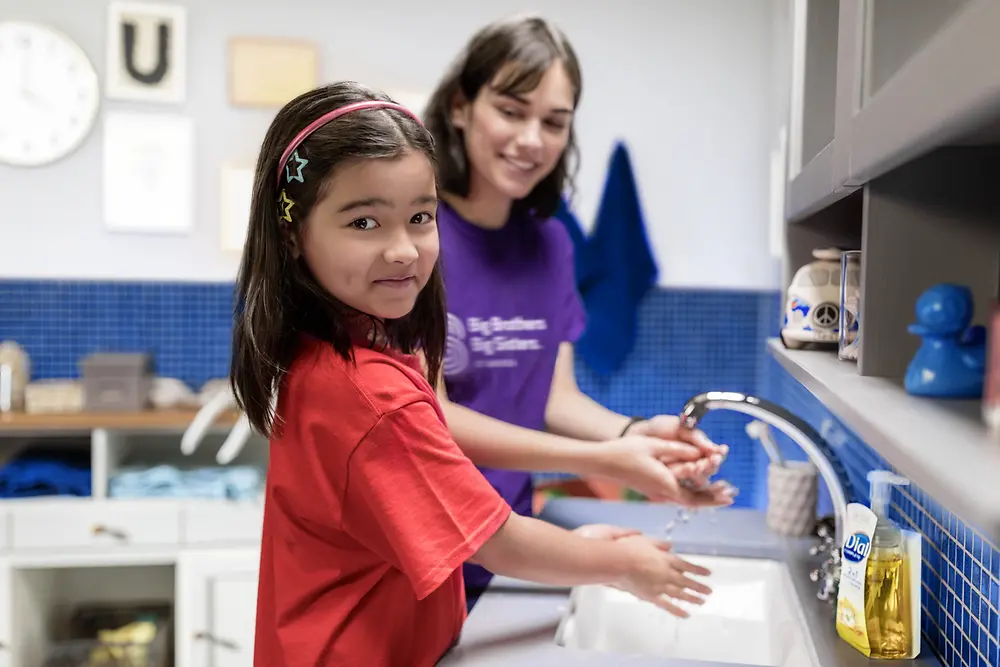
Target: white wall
690 85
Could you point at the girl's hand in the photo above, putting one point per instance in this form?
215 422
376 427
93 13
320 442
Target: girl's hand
661 577
638 462
603 531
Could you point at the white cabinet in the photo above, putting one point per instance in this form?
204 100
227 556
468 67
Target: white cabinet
6 625
217 604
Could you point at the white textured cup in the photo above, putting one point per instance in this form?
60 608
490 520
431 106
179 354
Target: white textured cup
792 493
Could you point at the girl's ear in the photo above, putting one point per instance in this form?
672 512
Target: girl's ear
292 239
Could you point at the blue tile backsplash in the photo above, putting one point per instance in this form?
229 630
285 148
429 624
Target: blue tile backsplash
689 341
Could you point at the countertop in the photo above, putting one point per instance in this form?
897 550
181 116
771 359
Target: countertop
514 622
70 423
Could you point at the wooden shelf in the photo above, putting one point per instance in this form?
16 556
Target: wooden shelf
942 446
84 422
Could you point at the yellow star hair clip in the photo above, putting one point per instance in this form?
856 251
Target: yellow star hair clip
286 205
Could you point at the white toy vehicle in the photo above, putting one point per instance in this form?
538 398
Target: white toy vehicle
812 303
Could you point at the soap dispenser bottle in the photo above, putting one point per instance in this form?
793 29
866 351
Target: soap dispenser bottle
888 589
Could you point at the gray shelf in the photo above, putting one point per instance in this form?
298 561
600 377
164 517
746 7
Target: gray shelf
936 92
942 446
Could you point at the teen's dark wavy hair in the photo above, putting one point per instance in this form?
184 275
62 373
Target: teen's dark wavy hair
277 297
530 45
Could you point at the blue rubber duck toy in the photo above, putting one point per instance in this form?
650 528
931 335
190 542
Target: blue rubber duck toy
951 360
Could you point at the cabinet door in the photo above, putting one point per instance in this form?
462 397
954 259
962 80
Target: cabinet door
217 604
6 618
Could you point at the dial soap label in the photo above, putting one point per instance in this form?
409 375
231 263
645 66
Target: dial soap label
858 530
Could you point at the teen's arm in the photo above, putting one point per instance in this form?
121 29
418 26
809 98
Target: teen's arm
636 461
572 413
492 443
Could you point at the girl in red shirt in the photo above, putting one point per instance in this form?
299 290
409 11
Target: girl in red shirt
371 508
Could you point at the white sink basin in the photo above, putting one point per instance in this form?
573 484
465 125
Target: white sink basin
752 617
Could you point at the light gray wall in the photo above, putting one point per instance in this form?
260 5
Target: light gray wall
689 85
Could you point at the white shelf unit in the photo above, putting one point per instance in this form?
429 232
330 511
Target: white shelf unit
200 556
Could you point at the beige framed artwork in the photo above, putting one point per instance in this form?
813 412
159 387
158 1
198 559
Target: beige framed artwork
268 72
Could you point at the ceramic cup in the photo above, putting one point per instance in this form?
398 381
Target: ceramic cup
792 491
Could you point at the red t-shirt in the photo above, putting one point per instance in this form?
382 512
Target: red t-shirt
371 509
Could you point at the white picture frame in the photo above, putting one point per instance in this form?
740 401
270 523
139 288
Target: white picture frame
148 173
235 194
146 58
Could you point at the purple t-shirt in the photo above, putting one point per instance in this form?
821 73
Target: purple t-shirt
512 300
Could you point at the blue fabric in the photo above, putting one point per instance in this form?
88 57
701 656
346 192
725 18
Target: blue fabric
615 268
46 476
164 481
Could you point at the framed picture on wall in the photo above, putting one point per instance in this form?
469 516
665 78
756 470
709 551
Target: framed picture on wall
235 194
268 72
146 52
148 173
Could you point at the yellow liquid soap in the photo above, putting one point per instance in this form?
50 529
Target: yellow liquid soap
887 604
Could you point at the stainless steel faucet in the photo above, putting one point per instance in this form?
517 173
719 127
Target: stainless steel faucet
806 438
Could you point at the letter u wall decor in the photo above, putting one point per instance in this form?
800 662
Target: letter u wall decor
146 52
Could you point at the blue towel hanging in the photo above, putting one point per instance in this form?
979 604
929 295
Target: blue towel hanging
615 268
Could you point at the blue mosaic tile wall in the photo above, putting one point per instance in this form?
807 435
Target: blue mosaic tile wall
689 341
186 326
961 568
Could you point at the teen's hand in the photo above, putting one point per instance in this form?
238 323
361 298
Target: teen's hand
668 427
661 577
637 462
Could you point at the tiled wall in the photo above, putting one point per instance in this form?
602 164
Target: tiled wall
961 568
185 325
689 341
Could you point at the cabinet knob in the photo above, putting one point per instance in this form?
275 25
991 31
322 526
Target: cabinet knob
107 530
224 643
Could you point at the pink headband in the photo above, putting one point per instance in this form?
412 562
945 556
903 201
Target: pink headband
337 113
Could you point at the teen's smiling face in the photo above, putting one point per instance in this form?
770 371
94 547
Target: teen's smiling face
371 240
515 141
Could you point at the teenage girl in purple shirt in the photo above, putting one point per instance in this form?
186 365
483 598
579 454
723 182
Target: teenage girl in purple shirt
502 119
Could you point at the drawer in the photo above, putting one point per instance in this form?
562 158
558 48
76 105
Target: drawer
222 521
72 524
4 535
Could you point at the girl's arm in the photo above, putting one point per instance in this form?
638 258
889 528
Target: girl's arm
533 550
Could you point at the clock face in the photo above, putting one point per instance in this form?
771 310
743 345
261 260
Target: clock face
49 94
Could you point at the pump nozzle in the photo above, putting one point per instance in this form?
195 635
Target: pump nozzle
881 483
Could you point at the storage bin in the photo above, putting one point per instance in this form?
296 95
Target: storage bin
117 382
85 649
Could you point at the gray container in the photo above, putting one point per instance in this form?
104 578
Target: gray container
116 381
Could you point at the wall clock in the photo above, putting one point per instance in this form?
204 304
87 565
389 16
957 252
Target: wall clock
49 94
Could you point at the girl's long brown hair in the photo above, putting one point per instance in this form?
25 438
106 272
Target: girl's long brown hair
277 297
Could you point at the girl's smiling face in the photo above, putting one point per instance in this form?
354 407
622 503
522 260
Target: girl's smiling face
371 240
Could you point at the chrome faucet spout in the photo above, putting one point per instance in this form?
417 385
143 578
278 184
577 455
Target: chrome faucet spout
795 428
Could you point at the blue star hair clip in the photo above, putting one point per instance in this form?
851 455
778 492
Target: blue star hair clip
300 162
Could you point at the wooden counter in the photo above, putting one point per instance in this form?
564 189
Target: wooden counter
83 422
